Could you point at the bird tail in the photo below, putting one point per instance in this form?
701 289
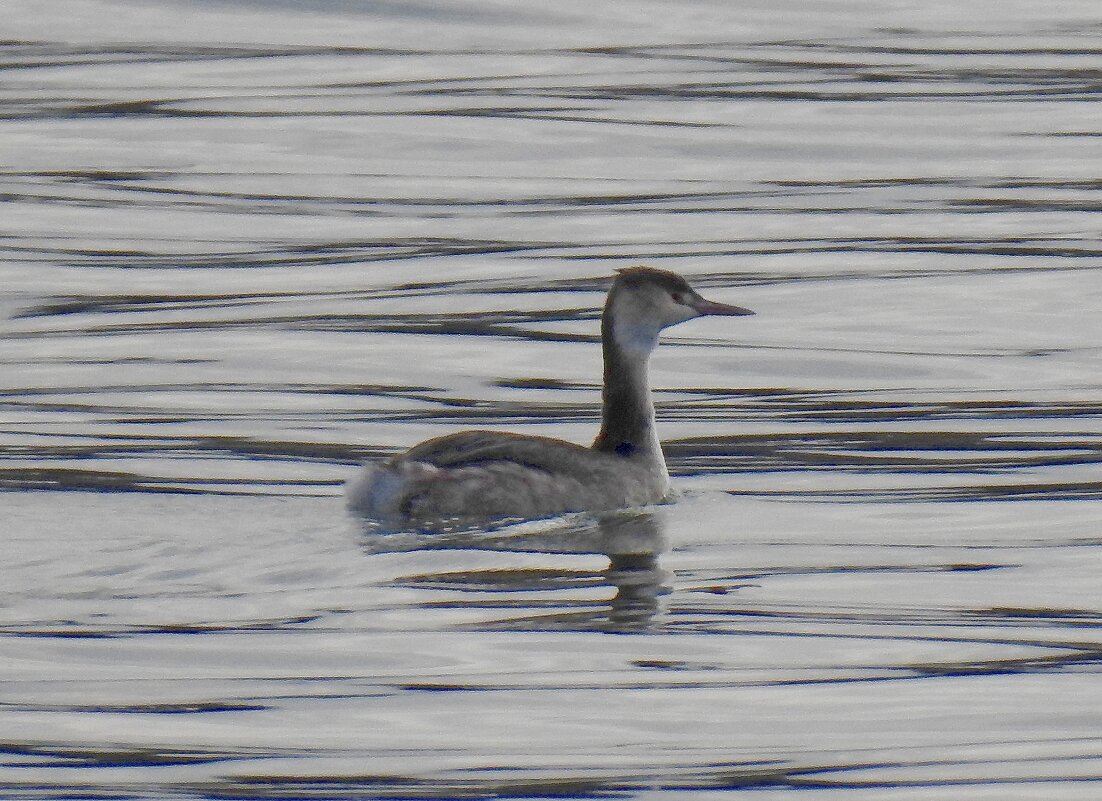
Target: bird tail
384 491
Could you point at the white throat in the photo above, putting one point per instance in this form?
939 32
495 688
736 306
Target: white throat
635 339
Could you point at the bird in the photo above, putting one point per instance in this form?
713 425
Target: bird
480 478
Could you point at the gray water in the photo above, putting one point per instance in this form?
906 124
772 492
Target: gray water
245 246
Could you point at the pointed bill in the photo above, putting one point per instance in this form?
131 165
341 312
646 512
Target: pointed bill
703 306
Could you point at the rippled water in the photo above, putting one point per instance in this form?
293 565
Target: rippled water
245 246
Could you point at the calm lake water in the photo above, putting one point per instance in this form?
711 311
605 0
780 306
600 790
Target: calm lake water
246 245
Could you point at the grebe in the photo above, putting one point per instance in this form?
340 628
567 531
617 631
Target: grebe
478 477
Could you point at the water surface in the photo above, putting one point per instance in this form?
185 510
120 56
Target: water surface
246 246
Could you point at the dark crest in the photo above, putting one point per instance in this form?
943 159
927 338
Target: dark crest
642 276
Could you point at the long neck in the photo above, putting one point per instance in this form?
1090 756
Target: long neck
627 417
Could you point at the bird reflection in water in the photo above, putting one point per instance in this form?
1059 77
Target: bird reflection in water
549 598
